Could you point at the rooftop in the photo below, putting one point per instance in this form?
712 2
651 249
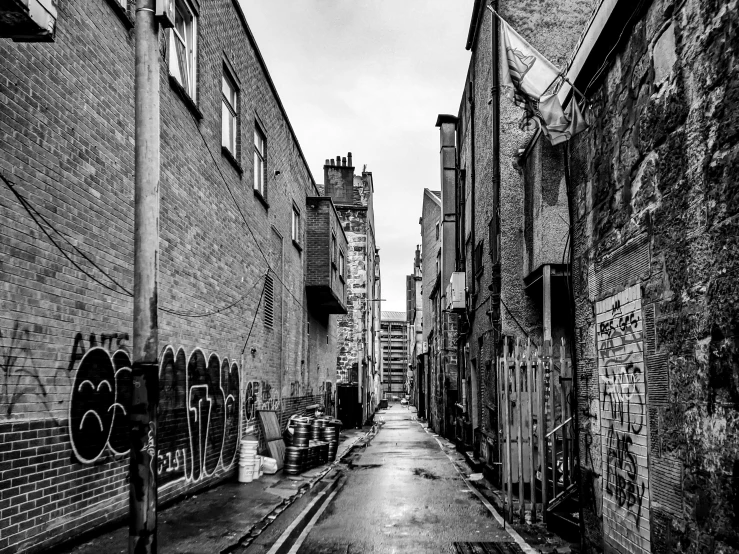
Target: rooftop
393 316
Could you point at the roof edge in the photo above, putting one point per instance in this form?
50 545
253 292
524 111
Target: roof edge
272 86
474 24
431 195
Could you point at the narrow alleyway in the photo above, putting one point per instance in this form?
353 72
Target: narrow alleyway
399 494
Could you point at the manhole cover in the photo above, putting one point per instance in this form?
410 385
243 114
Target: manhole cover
487 548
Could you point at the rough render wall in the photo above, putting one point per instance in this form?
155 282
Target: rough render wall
656 199
430 246
66 121
553 28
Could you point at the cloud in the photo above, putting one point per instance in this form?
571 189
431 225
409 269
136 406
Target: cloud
370 77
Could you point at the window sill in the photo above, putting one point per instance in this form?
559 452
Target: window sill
122 13
189 102
232 160
296 244
262 199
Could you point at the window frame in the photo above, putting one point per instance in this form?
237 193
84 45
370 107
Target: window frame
295 226
342 264
190 88
230 105
260 162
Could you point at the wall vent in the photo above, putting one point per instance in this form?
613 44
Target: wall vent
269 302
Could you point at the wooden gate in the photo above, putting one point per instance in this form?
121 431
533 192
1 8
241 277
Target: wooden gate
535 411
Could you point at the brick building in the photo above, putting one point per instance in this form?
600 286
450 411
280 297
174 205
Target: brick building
241 325
358 344
395 353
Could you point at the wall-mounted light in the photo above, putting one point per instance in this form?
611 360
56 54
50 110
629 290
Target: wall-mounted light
277 172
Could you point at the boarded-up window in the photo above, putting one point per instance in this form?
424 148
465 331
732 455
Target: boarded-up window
269 302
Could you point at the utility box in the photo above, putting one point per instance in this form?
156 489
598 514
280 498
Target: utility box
455 292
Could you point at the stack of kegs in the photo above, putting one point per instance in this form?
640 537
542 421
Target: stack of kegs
247 458
302 432
294 459
316 428
329 437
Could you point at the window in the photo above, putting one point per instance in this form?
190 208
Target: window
334 259
260 155
183 47
269 302
296 225
437 231
341 265
478 259
229 112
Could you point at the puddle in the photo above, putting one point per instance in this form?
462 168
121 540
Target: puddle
423 473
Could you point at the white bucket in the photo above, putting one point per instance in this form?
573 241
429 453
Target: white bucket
246 473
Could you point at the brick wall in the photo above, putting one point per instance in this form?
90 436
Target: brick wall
656 243
66 122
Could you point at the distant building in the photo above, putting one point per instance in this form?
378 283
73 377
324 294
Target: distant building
430 222
357 358
414 309
395 353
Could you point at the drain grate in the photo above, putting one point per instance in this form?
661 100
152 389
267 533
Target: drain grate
487 548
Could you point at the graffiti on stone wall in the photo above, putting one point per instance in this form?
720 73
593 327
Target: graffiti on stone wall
623 418
198 417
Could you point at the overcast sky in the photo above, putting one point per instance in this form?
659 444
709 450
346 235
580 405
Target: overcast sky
370 77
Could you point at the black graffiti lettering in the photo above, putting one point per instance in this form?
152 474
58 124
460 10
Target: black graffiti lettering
622 479
198 417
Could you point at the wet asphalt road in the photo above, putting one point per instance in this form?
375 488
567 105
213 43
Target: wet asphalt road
400 494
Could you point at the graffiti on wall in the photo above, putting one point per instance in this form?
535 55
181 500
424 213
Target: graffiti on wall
198 417
258 396
623 420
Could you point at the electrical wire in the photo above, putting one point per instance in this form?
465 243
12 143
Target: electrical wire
243 217
33 213
254 319
606 61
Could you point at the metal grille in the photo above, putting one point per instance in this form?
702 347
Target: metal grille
626 264
486 548
269 302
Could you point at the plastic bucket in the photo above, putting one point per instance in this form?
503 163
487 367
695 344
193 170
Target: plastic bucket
246 473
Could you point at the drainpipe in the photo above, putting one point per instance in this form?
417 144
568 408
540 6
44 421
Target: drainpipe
573 330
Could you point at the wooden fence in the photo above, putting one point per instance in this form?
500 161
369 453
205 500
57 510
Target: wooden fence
536 414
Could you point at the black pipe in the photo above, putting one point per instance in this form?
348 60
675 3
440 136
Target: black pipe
573 330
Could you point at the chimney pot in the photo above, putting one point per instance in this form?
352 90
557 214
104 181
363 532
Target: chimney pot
343 162
349 159
338 161
327 161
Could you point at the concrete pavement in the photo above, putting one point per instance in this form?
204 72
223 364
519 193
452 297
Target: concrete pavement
221 518
402 493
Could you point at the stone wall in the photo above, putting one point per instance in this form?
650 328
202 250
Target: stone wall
656 282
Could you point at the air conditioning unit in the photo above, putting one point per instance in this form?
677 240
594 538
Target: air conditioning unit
455 292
